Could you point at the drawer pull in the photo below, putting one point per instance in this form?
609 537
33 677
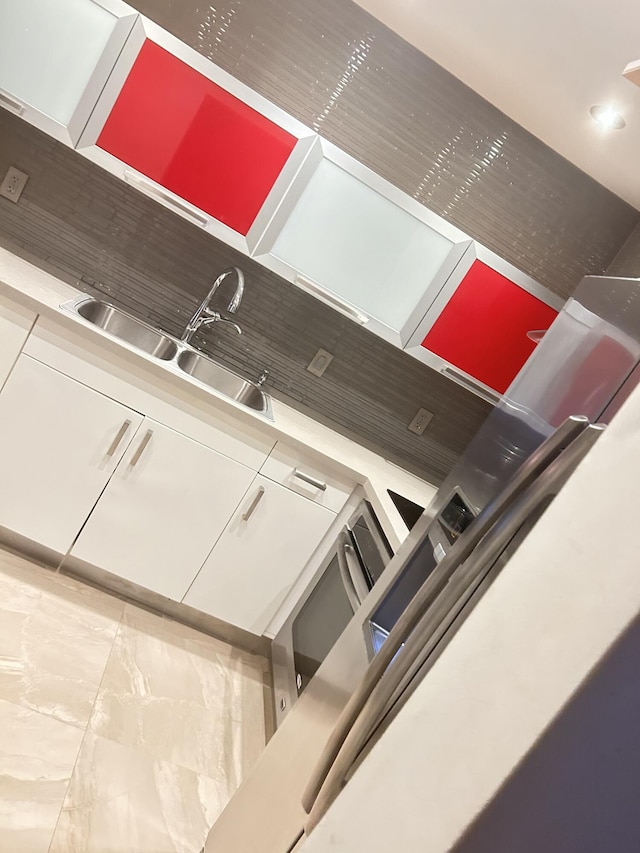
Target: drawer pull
318 484
254 503
119 436
480 390
11 103
141 448
331 299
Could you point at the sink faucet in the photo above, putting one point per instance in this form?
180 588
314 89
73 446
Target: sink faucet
205 315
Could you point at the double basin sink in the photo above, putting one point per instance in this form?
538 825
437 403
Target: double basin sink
154 342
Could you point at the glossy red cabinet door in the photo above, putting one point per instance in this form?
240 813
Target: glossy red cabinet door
178 128
483 327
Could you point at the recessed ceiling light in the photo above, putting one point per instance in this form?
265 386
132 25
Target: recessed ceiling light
607 117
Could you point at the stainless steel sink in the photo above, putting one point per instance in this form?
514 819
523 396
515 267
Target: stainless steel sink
176 354
123 326
224 381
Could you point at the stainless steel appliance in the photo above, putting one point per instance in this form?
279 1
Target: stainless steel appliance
351 567
512 469
430 620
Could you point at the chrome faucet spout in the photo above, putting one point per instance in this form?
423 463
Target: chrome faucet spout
204 315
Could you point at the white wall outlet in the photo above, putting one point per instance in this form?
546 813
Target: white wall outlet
319 363
421 421
13 184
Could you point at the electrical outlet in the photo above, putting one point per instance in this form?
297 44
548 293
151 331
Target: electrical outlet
13 184
319 363
421 421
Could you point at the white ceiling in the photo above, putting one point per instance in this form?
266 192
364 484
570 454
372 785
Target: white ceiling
544 63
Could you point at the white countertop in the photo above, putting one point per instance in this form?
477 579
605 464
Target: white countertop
43 293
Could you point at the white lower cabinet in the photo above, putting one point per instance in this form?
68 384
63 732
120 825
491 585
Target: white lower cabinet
61 441
15 325
262 551
165 506
91 478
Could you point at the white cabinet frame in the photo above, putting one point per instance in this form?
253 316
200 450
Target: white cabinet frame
437 298
146 29
70 133
323 150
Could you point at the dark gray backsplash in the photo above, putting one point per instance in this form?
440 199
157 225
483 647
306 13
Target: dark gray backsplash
338 70
627 262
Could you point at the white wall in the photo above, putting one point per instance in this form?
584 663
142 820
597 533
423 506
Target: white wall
567 596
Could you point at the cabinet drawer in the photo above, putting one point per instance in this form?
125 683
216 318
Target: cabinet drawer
285 466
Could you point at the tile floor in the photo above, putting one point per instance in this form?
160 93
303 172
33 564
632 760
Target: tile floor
120 731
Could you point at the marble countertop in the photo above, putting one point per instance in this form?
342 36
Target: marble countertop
44 293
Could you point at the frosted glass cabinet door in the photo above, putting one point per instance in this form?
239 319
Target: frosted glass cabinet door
357 236
56 56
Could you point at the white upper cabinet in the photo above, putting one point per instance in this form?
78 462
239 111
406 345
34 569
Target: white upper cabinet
56 57
360 244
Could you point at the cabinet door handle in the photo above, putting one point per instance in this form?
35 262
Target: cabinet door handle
339 304
10 103
141 448
300 475
478 389
119 436
254 503
536 335
157 193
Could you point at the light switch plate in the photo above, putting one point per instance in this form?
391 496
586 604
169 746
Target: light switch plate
13 183
421 421
319 363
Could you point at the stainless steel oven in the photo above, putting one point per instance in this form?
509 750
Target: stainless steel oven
355 561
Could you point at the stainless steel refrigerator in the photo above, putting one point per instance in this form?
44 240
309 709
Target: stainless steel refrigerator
584 367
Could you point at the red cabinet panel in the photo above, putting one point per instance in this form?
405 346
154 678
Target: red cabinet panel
178 128
483 327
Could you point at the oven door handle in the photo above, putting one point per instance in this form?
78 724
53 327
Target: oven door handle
344 551
354 567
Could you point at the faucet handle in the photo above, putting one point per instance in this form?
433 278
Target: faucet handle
263 377
219 319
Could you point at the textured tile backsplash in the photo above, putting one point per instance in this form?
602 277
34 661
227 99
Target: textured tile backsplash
627 261
344 74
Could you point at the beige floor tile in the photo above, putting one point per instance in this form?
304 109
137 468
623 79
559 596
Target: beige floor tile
55 638
182 697
121 800
37 756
